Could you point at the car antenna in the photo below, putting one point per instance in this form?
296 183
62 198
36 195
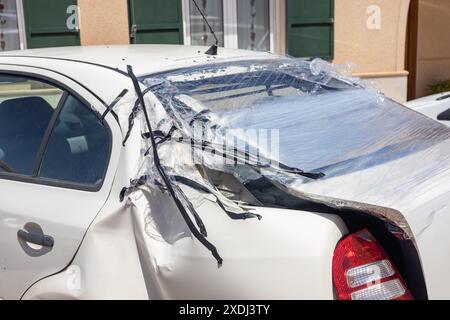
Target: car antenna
213 50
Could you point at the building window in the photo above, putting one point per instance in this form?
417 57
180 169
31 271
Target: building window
156 21
243 24
310 28
11 25
253 26
213 10
47 23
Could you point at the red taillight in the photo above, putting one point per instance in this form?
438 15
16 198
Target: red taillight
363 271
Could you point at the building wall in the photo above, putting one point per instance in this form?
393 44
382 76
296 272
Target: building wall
103 22
433 44
378 54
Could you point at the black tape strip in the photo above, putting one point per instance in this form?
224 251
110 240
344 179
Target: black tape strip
113 104
195 232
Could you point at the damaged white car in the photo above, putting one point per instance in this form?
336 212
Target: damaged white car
160 172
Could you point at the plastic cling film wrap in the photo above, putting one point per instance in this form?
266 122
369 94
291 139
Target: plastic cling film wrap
334 141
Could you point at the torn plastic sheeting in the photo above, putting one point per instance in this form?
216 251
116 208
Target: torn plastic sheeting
179 97
162 175
341 132
389 156
371 151
328 123
182 202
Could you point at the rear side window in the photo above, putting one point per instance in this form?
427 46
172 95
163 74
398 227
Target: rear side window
78 149
49 135
26 109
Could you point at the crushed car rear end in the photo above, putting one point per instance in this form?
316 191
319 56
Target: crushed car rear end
344 150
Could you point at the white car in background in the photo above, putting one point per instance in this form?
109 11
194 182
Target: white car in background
100 198
436 106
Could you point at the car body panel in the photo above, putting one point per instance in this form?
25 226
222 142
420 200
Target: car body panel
63 213
263 260
145 59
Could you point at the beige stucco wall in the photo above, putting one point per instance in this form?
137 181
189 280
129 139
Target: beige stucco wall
433 44
378 55
103 22
371 50
394 85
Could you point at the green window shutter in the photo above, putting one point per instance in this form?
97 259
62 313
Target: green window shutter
46 23
310 28
156 21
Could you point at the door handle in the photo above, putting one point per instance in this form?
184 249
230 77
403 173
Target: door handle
38 239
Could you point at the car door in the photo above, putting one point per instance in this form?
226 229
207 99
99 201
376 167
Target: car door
57 164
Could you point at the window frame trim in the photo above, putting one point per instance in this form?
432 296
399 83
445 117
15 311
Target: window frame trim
17 177
230 28
21 25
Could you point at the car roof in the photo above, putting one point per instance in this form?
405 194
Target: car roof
145 59
102 69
